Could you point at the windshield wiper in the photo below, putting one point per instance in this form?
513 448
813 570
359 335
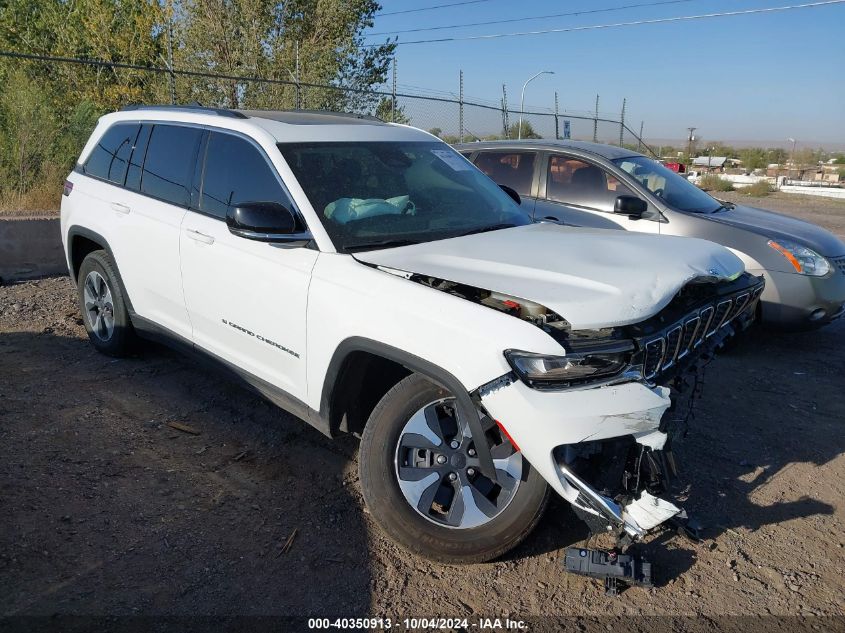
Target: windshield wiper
367 246
485 229
727 206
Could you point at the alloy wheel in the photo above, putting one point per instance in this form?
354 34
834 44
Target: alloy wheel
438 469
99 309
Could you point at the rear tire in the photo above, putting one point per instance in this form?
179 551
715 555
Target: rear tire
441 522
103 306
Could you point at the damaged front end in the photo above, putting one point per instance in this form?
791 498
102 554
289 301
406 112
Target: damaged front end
603 427
627 474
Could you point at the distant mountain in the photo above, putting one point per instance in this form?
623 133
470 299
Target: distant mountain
830 147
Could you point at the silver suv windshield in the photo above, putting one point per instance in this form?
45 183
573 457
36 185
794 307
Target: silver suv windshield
381 194
674 190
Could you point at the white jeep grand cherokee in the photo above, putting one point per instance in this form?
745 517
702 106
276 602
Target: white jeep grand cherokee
368 279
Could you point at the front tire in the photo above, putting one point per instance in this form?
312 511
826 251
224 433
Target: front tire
103 305
420 479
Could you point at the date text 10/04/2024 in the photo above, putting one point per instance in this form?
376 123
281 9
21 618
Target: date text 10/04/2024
415 624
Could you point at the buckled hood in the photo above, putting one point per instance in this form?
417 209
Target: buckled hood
593 278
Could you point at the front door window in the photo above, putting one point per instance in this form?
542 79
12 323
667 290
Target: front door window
576 182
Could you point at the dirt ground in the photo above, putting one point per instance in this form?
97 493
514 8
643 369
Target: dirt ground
108 510
826 212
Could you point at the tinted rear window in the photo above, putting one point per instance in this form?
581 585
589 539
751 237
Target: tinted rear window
514 169
169 163
110 157
235 172
136 162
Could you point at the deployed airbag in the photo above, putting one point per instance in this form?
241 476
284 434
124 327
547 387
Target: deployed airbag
346 210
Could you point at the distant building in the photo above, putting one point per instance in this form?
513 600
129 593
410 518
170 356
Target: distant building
710 163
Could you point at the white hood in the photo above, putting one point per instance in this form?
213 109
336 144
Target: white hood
593 278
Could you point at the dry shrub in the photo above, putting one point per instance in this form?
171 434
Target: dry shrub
712 182
759 189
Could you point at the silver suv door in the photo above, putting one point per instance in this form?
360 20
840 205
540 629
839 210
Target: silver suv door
578 192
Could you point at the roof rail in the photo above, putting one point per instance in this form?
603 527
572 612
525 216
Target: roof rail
234 114
269 114
351 115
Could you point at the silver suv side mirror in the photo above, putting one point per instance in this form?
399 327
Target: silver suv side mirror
631 206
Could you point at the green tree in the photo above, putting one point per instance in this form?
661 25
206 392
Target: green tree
27 131
244 38
309 41
125 31
385 112
527 130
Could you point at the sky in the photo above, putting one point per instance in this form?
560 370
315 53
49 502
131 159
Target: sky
761 77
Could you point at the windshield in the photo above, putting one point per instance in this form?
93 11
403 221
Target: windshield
382 194
674 190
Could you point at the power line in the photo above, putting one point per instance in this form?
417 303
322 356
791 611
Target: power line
534 17
594 27
436 6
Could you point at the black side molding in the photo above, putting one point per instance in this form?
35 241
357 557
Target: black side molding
282 399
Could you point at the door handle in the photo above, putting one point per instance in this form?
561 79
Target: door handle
551 218
198 236
120 208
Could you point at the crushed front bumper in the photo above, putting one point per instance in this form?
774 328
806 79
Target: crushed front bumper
581 418
604 448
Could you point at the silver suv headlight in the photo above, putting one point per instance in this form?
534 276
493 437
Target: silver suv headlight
578 367
804 260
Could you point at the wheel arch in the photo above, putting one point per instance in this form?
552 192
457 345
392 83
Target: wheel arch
342 381
81 242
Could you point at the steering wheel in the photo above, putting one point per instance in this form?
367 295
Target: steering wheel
410 208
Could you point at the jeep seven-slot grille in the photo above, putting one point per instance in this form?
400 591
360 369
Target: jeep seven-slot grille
722 310
740 304
680 338
673 340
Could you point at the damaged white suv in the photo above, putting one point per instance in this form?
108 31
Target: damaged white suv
367 278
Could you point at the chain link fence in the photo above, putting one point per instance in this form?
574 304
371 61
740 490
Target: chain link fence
451 118
455 121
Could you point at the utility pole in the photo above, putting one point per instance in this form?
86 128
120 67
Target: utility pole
170 60
393 103
298 104
622 123
557 128
640 139
461 110
596 123
505 111
690 139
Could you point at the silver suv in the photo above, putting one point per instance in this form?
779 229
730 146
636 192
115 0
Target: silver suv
587 184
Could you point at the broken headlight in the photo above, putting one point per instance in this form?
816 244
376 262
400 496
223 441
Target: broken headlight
577 367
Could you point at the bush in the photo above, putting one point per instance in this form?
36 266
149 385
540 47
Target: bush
759 189
712 182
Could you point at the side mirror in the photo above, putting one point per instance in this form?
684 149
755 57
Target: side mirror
632 206
264 222
512 193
